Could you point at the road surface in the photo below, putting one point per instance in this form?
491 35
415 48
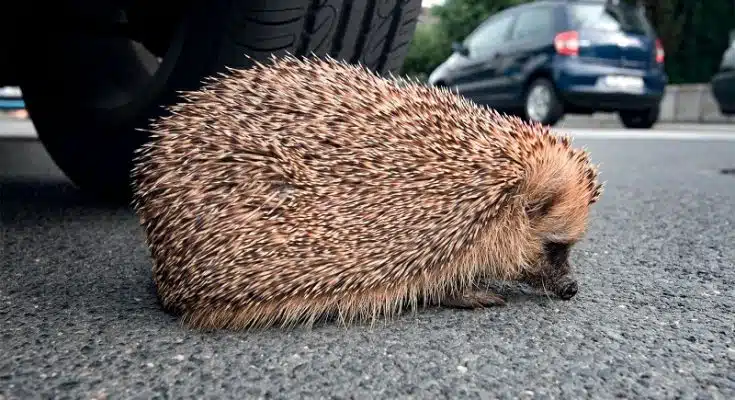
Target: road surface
655 316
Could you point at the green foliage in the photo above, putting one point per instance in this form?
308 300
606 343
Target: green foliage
429 48
460 17
695 33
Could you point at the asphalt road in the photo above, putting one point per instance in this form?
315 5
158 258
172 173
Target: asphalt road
655 316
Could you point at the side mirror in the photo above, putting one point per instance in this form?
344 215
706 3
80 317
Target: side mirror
458 47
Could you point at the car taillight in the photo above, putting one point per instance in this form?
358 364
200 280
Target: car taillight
567 43
659 51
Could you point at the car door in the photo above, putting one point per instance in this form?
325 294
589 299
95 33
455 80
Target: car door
475 74
530 48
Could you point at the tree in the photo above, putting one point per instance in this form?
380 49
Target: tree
696 39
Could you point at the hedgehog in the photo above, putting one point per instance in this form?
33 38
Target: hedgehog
304 188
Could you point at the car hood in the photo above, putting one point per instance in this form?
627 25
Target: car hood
444 69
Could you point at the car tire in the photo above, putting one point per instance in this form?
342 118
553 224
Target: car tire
639 119
549 109
89 96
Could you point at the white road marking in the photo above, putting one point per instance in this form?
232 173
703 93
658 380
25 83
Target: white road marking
701 134
17 129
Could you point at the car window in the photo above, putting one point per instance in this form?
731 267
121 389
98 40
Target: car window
612 18
536 23
489 35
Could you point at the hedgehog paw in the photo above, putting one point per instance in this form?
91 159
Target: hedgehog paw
474 299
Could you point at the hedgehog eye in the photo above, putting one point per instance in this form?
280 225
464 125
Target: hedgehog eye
539 209
557 252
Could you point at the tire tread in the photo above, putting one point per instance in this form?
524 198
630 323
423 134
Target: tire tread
215 34
374 33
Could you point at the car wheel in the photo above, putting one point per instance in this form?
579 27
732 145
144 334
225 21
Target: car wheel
88 94
639 119
541 103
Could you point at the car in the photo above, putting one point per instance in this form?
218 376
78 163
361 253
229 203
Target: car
94 73
544 59
11 99
723 82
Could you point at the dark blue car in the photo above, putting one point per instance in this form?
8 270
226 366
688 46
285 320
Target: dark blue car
543 59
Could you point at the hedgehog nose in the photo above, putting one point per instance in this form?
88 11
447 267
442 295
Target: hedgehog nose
569 290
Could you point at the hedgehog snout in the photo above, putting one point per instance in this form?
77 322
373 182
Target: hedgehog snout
567 288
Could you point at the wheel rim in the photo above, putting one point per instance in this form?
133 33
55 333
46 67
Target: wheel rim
121 70
538 103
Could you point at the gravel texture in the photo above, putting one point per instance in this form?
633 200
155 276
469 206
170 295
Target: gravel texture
654 317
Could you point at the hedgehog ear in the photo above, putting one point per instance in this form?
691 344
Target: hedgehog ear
540 207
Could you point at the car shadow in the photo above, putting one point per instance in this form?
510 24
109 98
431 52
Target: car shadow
68 258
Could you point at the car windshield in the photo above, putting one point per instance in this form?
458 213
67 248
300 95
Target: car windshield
609 17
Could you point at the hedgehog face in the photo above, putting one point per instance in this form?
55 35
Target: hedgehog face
558 222
553 271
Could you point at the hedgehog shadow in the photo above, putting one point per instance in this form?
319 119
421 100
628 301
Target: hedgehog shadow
514 293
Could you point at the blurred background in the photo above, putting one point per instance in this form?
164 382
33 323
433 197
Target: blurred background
11 102
697 37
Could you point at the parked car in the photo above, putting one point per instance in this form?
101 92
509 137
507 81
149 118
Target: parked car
94 77
548 58
723 82
11 98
